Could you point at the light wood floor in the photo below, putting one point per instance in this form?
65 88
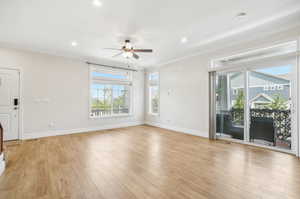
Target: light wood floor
146 162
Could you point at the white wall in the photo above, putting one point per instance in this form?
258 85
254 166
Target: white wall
186 109
183 97
65 82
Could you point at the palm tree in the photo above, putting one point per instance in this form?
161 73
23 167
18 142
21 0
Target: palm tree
279 103
240 100
238 108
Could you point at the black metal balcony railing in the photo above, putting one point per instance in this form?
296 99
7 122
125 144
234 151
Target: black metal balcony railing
237 116
281 118
282 121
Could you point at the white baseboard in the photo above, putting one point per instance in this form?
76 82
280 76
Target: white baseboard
113 126
81 130
2 164
178 129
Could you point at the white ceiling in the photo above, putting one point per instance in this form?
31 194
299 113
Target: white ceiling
51 25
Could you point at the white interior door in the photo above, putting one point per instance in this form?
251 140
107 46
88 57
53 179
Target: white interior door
9 103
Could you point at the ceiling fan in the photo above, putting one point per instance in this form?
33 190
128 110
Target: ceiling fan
128 51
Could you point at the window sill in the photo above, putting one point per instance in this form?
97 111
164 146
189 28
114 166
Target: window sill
111 116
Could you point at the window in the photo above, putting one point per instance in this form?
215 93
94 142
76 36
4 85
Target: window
153 93
110 92
273 87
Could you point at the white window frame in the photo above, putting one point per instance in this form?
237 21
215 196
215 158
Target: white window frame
112 81
151 84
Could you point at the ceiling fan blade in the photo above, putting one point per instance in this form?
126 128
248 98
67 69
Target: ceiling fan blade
112 49
143 50
135 56
116 55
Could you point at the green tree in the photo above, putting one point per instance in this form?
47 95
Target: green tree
279 103
240 100
104 103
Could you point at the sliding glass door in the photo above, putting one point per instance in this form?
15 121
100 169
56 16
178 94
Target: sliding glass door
230 100
255 97
270 105
255 104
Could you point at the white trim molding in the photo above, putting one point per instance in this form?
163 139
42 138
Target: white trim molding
2 164
179 129
34 135
128 81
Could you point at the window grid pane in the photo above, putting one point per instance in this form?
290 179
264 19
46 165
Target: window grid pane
108 100
153 83
154 99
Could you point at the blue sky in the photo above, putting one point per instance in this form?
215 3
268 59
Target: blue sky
108 75
97 89
277 70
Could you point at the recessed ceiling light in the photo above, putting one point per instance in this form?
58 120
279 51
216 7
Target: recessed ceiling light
184 40
97 3
241 14
74 43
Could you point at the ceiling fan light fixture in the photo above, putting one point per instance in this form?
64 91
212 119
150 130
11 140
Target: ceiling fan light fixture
128 54
128 45
128 51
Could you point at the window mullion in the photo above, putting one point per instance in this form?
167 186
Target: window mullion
111 100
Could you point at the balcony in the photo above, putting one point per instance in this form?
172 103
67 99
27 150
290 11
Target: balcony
268 126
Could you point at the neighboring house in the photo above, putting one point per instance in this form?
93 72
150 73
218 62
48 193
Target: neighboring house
262 89
261 100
